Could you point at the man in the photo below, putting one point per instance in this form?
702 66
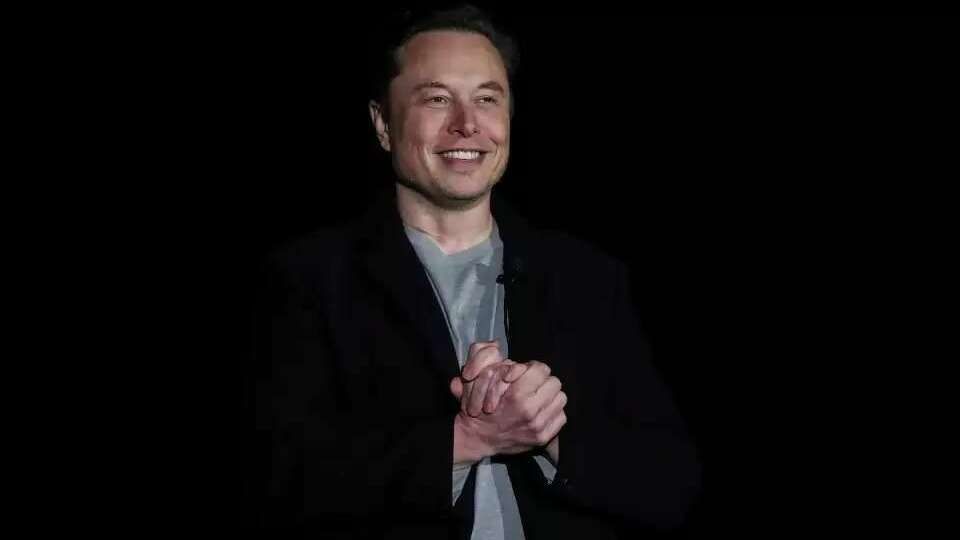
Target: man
441 370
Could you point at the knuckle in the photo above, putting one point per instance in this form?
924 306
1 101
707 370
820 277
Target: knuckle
480 347
488 356
490 403
542 371
529 413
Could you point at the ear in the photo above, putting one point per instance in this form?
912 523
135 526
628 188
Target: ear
380 124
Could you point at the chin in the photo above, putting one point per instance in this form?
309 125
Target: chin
461 199
470 190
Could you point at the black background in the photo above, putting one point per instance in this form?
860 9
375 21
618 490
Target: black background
777 186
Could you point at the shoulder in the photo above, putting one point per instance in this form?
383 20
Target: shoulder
326 248
309 259
586 286
311 249
568 253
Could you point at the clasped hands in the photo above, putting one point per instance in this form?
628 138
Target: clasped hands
505 407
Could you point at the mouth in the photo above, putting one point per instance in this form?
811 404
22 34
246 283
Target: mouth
462 154
462 160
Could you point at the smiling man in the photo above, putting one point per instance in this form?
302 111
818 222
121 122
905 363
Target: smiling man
440 369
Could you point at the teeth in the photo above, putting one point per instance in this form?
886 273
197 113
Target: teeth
461 154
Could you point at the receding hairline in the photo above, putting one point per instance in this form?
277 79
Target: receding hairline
401 49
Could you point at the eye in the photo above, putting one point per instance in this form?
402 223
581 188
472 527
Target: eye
436 100
490 100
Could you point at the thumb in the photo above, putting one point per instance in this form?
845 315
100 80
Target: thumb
477 361
456 387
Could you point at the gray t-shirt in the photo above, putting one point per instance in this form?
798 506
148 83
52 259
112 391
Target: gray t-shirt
472 302
473 306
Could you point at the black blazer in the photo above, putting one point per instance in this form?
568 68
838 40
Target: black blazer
354 414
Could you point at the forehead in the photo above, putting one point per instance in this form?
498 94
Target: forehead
465 56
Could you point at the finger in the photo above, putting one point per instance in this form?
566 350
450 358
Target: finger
514 373
545 395
456 387
465 395
471 393
487 397
553 428
528 383
478 346
553 408
483 358
548 419
498 387
479 392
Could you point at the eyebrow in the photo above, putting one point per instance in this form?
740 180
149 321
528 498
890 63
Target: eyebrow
489 85
493 85
431 84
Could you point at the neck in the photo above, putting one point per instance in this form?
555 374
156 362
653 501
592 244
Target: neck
452 229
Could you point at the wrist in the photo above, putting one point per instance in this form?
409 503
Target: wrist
553 451
468 446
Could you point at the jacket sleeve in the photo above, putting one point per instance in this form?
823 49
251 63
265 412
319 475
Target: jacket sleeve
326 463
625 449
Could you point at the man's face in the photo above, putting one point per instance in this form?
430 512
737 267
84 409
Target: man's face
449 125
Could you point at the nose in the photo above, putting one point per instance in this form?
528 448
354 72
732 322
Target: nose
464 121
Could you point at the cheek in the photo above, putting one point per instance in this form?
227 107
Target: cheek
421 129
498 129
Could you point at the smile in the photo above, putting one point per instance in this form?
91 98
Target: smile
466 155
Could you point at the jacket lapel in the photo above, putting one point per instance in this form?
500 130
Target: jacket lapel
525 284
391 262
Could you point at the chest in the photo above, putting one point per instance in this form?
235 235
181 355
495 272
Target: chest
403 356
